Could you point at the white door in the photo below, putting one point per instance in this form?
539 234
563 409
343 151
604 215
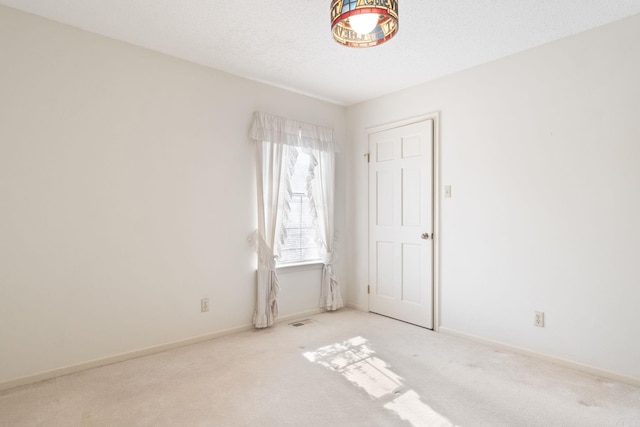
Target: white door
401 223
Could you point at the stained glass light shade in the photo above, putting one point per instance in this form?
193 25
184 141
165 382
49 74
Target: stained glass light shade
376 21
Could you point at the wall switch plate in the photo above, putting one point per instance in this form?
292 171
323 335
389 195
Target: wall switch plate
204 305
538 319
447 191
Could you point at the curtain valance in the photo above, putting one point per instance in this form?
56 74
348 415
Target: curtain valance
279 130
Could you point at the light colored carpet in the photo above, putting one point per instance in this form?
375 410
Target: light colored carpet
344 369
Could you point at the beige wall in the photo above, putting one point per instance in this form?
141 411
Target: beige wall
542 150
127 191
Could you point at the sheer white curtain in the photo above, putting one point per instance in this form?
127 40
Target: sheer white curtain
270 173
273 135
322 193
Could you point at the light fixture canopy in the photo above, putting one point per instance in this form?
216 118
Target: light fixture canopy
364 23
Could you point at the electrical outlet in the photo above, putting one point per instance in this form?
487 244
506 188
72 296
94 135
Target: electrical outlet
538 319
204 305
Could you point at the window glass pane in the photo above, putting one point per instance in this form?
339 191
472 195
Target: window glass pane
301 173
300 243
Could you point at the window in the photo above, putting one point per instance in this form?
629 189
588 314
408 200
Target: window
299 224
295 196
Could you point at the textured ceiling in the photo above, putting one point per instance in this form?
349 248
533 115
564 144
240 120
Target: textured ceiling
288 43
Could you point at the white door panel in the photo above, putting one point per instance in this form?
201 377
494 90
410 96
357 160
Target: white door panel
400 212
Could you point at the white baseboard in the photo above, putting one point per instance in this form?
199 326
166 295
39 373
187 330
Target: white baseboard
67 370
557 360
358 307
71 369
300 315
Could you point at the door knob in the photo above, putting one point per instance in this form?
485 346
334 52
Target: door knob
425 236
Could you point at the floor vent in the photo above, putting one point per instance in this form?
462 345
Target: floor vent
299 323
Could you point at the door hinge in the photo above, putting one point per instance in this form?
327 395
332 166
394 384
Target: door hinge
368 289
368 157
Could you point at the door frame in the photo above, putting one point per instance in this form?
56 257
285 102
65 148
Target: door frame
436 193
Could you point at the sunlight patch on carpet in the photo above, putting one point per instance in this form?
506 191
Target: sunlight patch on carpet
356 361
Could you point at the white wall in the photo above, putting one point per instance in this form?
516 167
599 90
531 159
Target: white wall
542 150
127 191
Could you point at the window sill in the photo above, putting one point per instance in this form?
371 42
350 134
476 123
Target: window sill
299 266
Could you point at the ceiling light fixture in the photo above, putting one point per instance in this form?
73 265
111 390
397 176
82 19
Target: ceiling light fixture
364 23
